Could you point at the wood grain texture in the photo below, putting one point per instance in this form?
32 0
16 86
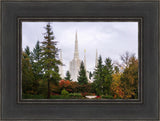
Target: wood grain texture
11 110
159 56
0 61
81 0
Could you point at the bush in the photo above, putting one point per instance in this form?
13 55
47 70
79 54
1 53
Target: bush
55 89
74 86
75 95
85 88
107 97
64 92
64 83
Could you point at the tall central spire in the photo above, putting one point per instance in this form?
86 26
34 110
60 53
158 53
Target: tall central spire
76 54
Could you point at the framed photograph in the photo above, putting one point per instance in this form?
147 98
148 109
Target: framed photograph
80 77
80 60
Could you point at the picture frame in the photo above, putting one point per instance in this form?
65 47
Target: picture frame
15 109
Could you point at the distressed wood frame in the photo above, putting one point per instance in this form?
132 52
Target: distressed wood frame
12 109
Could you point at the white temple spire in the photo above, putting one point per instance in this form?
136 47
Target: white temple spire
61 66
74 66
76 54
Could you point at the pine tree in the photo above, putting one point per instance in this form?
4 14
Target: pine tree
82 78
27 51
108 71
36 52
37 68
90 75
68 76
49 58
98 77
27 74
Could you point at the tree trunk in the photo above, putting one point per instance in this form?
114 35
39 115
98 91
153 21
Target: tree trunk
48 89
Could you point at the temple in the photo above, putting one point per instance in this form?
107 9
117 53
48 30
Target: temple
74 65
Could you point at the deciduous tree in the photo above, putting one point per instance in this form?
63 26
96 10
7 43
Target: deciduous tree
129 79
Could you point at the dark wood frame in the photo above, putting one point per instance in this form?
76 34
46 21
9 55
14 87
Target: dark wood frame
12 108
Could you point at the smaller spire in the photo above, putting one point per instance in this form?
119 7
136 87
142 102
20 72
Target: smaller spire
61 66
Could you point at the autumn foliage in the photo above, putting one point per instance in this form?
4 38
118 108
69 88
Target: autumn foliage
116 87
125 84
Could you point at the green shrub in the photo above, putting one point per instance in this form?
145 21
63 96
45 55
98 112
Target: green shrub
75 95
64 92
107 97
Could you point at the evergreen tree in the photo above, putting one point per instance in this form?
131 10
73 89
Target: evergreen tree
68 76
27 75
116 69
36 64
99 77
90 75
107 71
36 52
27 51
82 78
49 58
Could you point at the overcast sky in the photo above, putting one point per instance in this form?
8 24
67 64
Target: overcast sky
111 39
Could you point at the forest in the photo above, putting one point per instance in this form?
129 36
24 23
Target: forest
41 79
